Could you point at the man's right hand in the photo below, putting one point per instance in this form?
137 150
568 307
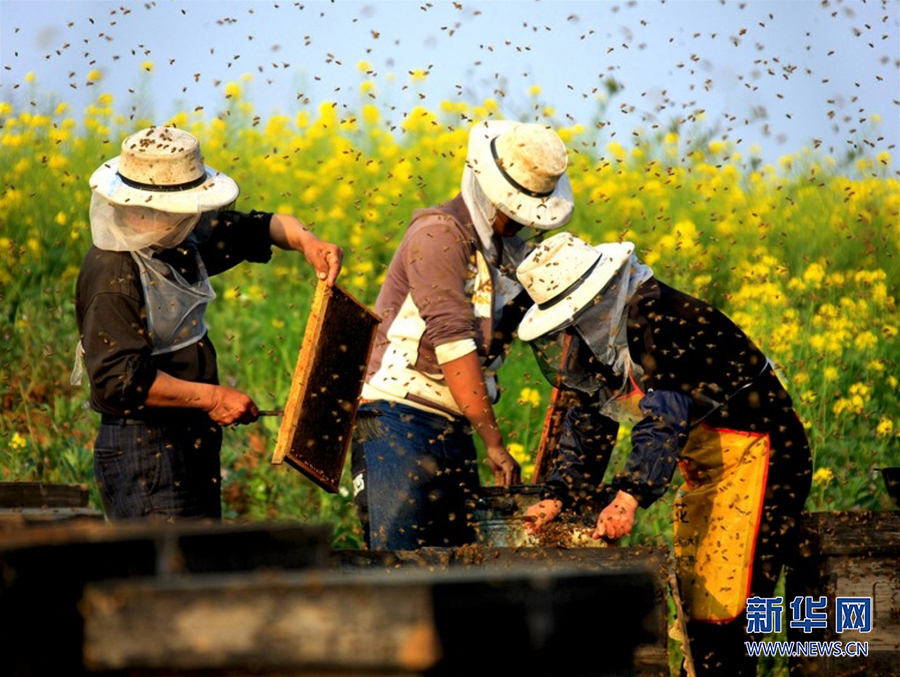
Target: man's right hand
231 407
505 468
540 513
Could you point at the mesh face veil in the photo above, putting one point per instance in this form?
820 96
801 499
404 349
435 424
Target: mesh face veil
134 228
481 209
176 308
589 353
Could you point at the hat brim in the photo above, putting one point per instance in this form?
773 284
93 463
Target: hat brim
217 191
538 322
541 213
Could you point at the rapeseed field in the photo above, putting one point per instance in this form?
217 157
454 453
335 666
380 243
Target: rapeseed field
802 254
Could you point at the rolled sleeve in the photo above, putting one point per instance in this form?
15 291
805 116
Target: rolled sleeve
447 352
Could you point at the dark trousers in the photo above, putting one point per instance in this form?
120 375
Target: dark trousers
414 475
165 468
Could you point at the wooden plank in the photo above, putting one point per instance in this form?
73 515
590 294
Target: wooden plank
651 657
316 622
40 495
43 572
854 532
161 548
560 401
315 432
374 623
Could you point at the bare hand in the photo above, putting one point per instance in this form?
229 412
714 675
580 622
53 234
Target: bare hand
325 257
540 513
232 407
617 519
505 468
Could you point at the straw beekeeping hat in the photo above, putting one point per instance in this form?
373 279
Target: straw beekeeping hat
162 168
564 274
521 168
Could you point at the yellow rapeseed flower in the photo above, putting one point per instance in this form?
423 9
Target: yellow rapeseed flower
232 90
29 76
865 340
823 476
516 450
885 427
530 396
615 149
148 66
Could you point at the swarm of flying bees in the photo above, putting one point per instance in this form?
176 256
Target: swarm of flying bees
622 73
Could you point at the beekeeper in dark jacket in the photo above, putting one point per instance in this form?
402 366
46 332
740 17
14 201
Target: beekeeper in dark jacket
161 228
701 396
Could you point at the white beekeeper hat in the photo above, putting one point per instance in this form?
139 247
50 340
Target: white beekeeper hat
162 168
563 275
521 168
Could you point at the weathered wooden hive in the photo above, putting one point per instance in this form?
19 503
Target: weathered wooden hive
851 555
146 599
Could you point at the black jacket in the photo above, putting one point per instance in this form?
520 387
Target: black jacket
698 365
112 319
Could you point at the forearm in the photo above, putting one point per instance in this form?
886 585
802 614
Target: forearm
466 383
655 444
224 405
583 454
169 391
288 232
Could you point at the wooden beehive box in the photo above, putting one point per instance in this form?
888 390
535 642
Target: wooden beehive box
324 396
375 619
851 554
30 503
188 599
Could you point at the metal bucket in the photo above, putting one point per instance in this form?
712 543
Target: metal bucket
499 518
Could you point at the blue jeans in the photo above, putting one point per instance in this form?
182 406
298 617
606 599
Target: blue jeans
165 468
414 475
